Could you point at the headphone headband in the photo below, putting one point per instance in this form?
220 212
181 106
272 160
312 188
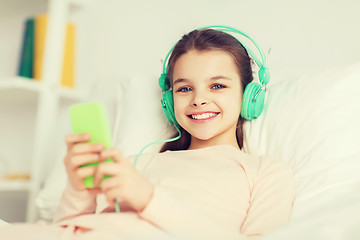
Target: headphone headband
264 75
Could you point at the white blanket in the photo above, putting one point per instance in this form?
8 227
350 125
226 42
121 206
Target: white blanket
331 215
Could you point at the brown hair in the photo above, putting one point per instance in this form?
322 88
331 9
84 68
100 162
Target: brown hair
205 40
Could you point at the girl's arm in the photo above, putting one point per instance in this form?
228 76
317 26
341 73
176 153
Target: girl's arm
75 203
76 199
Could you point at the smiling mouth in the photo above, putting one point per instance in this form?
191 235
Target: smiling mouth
202 116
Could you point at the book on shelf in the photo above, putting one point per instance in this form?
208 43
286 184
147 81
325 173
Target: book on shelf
68 73
32 53
39 44
27 51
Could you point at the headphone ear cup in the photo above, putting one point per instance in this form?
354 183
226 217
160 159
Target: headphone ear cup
168 107
163 82
253 101
264 75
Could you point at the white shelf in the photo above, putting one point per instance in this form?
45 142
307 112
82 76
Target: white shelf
32 110
23 83
14 185
71 94
22 86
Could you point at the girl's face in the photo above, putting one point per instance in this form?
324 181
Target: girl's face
207 97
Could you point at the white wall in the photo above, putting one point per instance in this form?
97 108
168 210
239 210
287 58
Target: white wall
304 36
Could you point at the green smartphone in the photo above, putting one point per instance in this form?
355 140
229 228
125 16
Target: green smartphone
91 118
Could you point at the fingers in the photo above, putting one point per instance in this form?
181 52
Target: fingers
129 187
87 171
111 195
78 143
113 188
107 169
113 154
80 153
82 148
117 166
94 191
113 182
124 182
72 139
80 160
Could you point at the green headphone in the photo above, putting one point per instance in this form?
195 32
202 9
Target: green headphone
254 94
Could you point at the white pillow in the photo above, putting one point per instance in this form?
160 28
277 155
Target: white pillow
48 199
142 120
312 123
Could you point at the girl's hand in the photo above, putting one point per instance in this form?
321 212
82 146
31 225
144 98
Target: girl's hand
125 182
79 152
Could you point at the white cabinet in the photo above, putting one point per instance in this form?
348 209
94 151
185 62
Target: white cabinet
30 111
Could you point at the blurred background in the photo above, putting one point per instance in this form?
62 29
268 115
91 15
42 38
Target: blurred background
118 40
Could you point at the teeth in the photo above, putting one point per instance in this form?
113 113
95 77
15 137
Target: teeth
203 116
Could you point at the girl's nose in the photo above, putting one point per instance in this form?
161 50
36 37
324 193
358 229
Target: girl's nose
196 104
199 101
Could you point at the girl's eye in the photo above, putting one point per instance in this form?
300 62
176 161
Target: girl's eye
218 86
184 89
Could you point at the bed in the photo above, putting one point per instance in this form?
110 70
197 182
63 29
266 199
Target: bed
310 122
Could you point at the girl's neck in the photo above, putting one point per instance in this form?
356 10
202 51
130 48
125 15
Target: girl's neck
198 143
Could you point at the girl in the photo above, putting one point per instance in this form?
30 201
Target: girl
200 186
